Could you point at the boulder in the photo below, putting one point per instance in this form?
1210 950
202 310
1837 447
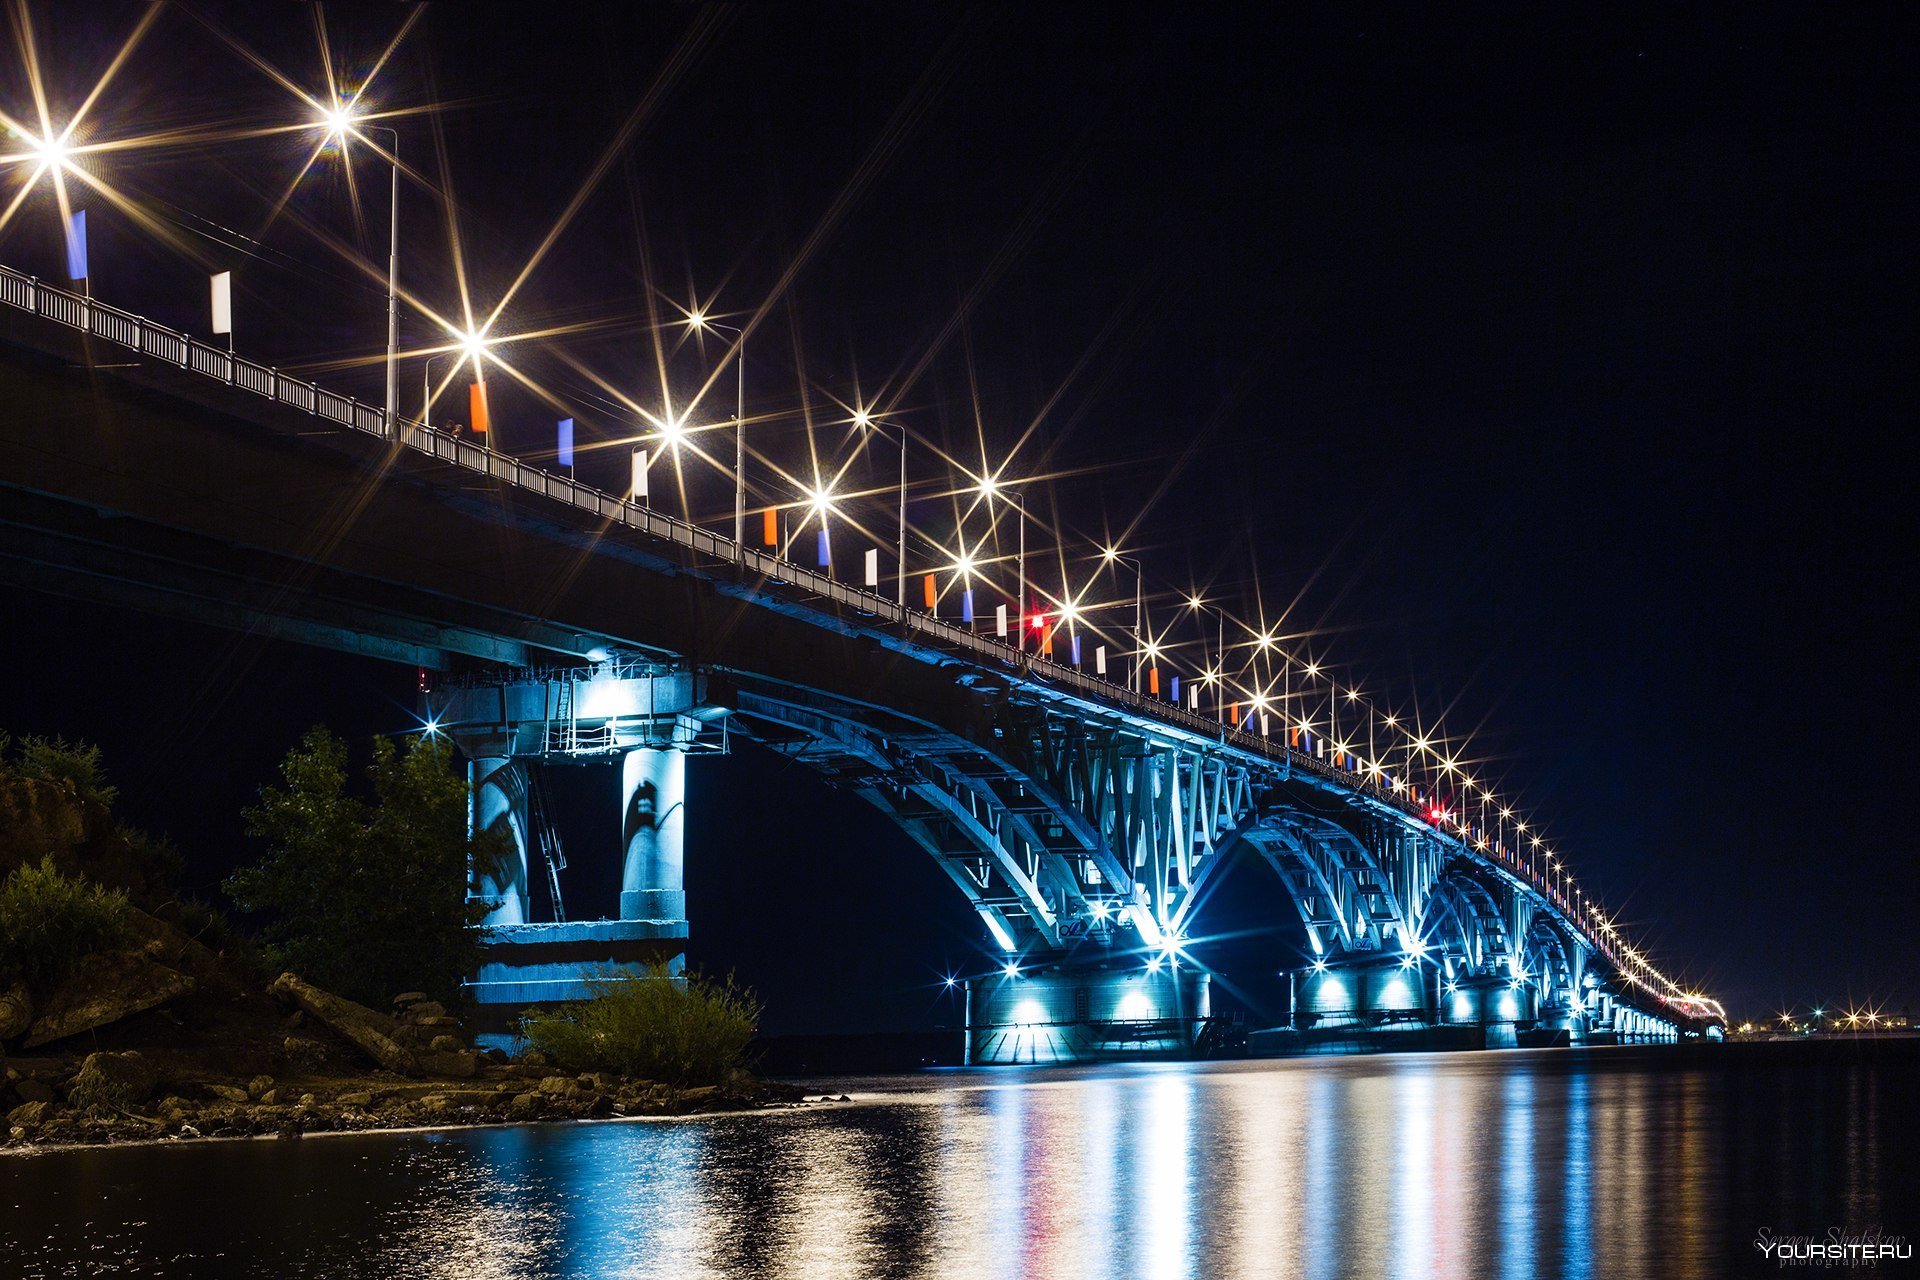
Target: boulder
424 1011
16 1011
406 998
462 1064
113 1080
259 1087
104 988
228 1092
32 1090
369 1031
446 1044
29 1115
364 1098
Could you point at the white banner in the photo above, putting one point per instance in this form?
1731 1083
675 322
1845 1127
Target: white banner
223 302
1000 621
1100 660
639 474
873 566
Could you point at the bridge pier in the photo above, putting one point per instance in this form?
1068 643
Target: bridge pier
641 718
497 796
1086 1015
653 791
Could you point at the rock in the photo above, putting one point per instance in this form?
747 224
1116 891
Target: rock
16 1011
363 1098
700 1097
406 998
535 1058
462 1064
446 1044
306 1100
113 1080
259 1086
227 1092
295 1020
31 1090
29 1115
106 987
303 1053
370 1031
270 1098
559 1086
425 1011
408 1036
526 1106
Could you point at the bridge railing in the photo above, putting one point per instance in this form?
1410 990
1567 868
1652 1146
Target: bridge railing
175 349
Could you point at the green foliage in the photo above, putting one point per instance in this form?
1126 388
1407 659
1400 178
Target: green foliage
367 896
49 921
654 1027
77 764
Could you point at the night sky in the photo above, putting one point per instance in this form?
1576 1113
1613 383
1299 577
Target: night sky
1554 378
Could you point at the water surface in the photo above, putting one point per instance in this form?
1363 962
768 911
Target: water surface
1620 1162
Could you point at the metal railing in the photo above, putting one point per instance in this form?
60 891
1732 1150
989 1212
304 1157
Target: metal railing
123 328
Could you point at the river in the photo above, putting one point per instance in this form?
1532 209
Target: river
1611 1162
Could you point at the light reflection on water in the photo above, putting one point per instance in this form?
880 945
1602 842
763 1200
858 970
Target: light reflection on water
1502 1164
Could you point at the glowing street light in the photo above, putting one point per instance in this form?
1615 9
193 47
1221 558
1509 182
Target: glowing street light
865 421
989 487
1112 556
339 120
698 322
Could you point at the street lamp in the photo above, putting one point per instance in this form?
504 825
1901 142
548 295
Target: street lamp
698 320
1113 556
991 488
339 120
865 421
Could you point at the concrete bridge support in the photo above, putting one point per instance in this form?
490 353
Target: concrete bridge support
498 800
653 793
1086 1015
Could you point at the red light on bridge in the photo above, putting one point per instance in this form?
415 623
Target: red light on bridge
1039 621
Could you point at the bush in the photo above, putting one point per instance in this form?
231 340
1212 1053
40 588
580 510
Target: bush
366 894
687 1031
77 764
48 922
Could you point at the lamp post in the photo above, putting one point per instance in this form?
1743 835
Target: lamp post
991 488
865 421
340 120
1217 664
699 321
1111 556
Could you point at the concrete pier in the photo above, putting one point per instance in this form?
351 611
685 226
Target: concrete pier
1086 1015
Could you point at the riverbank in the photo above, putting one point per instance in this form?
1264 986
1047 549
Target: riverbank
295 1106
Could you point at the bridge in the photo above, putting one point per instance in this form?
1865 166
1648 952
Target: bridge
1082 820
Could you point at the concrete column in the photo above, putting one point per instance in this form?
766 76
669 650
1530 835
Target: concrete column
498 800
653 791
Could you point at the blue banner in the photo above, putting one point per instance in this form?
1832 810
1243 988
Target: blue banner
77 245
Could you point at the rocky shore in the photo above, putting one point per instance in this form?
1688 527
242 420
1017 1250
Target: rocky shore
426 1076
176 1032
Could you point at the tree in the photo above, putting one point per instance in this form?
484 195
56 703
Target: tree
368 896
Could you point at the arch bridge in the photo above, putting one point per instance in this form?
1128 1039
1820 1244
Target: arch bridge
1084 822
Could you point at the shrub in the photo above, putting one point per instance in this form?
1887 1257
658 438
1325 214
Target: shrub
681 1031
366 894
48 922
77 764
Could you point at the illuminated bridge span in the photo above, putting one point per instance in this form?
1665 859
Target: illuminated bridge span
1083 821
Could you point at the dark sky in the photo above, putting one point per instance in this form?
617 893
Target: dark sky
1554 376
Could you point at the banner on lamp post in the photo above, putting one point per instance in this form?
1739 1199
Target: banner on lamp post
223 303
